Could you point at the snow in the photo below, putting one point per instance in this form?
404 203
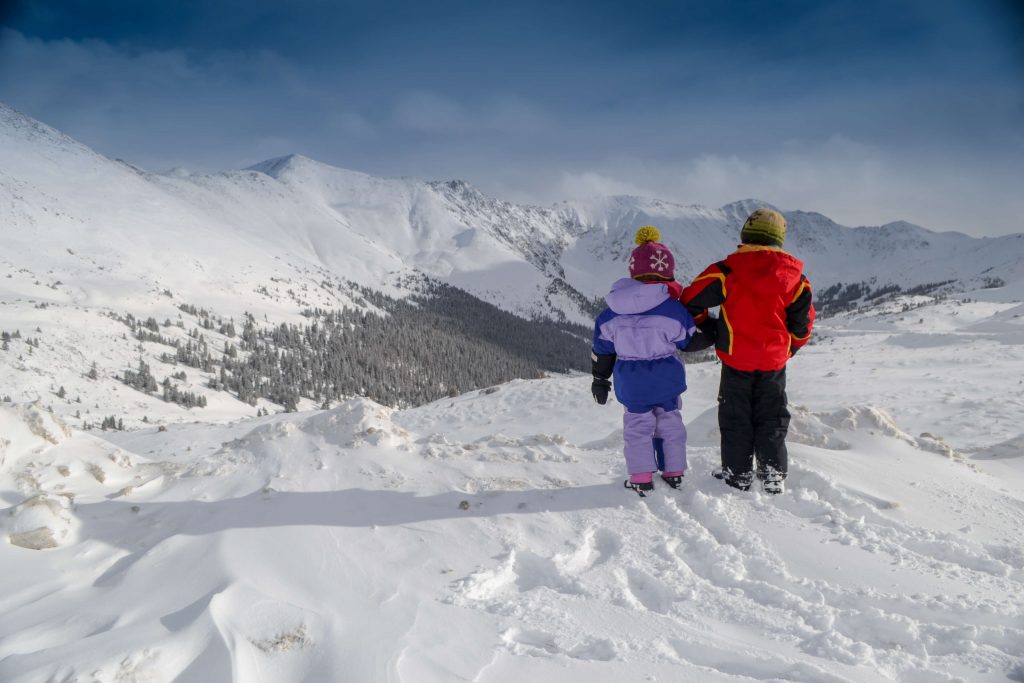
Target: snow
485 537
488 537
269 237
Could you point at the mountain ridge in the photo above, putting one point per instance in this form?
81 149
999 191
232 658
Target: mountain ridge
300 215
90 245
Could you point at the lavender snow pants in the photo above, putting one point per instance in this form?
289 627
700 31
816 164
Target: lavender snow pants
639 428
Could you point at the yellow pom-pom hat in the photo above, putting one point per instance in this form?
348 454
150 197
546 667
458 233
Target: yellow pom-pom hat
651 260
646 234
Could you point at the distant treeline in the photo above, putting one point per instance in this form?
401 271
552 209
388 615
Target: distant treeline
439 342
847 297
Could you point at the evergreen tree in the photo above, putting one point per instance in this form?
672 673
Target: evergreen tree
141 379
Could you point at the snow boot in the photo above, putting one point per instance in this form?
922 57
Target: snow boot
737 481
673 479
641 489
641 482
772 481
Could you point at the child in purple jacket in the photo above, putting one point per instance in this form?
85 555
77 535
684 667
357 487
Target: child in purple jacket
635 343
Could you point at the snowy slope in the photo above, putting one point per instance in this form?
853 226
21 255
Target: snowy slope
112 238
488 537
110 231
83 237
73 215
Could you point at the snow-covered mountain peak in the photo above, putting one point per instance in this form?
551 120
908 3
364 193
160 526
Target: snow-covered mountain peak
30 144
14 124
277 166
461 190
739 210
907 230
904 225
299 168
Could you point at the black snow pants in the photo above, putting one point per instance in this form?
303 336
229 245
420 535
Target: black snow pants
753 419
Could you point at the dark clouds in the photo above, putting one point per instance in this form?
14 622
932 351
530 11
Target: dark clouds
868 111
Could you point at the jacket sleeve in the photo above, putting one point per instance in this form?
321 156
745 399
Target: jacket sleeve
706 291
602 356
800 315
689 328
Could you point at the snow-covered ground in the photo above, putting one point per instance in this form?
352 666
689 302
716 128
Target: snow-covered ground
485 537
488 537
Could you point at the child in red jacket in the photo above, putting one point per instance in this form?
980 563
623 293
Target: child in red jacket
766 315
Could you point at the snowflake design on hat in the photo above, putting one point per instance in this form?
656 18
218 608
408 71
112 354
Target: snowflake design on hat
632 262
659 261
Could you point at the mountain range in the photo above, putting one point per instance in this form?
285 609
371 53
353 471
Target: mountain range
268 238
115 281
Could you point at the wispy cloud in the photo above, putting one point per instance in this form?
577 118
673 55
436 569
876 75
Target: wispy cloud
867 112
852 183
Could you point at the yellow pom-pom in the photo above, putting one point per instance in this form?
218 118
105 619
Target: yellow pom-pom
646 234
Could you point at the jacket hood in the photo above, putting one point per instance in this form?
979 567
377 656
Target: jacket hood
769 265
630 296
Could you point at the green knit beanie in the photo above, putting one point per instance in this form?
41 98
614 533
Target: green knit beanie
764 226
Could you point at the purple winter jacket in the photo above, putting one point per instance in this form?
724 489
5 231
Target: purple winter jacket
644 326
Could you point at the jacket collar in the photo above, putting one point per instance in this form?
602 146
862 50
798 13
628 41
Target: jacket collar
747 248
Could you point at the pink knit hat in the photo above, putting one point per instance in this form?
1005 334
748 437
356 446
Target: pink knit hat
652 259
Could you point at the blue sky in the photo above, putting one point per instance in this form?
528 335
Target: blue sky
867 111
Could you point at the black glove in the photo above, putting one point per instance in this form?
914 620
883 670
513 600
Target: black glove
793 350
709 328
601 366
599 388
704 337
698 342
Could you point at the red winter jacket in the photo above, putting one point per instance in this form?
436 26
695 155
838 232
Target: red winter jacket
766 313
